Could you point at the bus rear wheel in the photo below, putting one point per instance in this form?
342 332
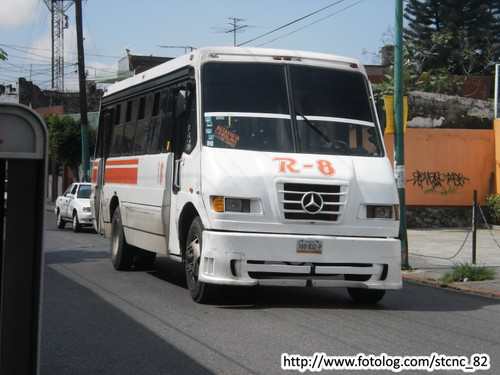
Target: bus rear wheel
122 254
200 292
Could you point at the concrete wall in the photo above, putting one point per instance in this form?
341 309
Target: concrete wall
427 110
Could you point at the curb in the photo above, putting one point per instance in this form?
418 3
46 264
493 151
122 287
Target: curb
444 284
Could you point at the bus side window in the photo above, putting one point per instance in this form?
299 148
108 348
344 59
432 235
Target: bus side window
117 133
104 133
129 127
143 124
161 124
185 132
164 140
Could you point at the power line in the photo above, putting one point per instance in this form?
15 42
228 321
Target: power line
312 23
291 23
32 28
26 51
22 48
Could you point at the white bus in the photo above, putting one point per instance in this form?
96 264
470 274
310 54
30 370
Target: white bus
252 167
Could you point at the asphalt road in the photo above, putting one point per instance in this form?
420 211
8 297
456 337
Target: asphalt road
96 320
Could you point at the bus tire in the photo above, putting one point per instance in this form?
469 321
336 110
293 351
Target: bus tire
361 295
200 292
122 254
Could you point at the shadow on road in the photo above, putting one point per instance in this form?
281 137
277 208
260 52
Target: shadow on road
83 334
413 297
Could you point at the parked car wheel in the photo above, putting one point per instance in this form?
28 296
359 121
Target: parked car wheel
60 222
77 227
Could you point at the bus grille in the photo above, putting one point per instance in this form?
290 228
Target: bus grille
312 202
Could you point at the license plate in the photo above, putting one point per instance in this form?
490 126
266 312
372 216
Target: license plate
310 246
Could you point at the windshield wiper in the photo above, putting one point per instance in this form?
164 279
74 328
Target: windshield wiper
336 145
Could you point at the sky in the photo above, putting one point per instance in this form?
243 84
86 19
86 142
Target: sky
354 28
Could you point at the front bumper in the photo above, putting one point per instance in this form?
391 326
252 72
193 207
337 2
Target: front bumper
85 218
236 258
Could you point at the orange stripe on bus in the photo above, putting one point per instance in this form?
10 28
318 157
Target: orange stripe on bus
121 175
123 162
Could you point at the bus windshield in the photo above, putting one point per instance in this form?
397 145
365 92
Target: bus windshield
310 110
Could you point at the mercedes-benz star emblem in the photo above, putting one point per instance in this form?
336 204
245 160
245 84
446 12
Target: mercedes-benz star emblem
312 202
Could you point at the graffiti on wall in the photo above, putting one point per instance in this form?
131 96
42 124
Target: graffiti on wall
438 182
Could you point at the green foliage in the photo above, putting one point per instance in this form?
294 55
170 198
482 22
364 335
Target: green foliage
469 272
463 35
386 87
493 205
440 81
65 140
3 54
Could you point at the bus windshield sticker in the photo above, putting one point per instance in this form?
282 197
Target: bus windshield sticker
226 136
210 140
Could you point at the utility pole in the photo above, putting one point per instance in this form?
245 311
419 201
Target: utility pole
399 149
83 91
236 27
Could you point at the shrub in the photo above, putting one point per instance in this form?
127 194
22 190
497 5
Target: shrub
471 272
493 205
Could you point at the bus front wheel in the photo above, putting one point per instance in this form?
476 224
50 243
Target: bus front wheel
122 254
200 292
369 296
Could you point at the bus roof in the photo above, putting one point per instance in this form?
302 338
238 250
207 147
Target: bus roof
197 57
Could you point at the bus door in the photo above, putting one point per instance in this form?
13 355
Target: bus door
185 131
99 168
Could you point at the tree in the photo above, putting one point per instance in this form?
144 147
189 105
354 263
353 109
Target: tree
65 140
462 35
3 54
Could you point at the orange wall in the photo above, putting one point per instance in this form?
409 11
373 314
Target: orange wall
496 127
444 166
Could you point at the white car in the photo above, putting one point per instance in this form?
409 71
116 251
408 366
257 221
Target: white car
74 206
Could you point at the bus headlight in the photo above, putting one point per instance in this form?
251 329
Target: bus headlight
237 205
379 212
222 204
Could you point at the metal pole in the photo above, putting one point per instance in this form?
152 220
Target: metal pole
496 90
474 227
83 92
399 155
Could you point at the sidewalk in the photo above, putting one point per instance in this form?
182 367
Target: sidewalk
433 252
